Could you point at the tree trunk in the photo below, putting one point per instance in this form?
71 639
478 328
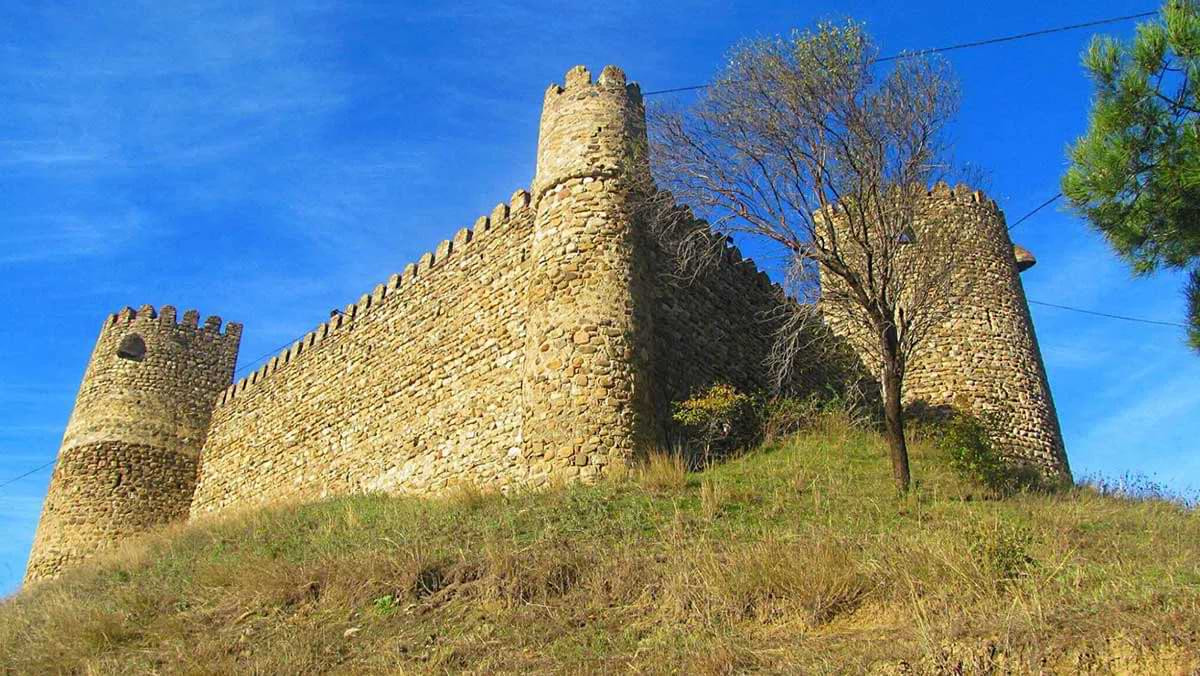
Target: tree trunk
893 414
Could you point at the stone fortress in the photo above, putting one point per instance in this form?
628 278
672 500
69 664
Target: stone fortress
544 344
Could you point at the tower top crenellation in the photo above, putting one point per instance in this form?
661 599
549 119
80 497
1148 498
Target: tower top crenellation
589 128
146 317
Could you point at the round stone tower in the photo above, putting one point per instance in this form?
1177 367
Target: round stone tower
587 338
982 355
129 455
985 355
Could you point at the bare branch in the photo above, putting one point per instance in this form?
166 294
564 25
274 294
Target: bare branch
801 142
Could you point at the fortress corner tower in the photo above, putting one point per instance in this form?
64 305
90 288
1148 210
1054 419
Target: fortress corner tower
129 455
983 356
587 402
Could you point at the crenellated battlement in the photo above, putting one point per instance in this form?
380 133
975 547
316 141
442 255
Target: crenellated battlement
462 243
949 201
166 318
961 193
588 129
940 191
579 79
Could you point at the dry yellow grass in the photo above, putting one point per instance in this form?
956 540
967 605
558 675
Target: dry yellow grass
795 558
662 471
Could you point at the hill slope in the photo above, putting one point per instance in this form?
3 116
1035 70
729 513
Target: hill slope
797 557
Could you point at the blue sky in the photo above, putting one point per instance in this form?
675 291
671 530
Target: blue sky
267 162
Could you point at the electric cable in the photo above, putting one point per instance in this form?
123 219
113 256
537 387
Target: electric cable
963 45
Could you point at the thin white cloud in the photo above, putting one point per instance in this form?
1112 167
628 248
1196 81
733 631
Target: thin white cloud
173 86
66 235
45 153
1152 416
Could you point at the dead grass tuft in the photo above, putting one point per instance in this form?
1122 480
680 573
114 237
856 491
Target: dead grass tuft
663 471
767 582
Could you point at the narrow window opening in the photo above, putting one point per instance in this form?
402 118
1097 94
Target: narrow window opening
132 347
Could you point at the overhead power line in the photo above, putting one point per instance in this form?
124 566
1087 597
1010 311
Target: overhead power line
1110 316
1019 36
256 360
35 470
1041 206
964 45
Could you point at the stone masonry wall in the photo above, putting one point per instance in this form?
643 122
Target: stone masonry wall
414 389
129 456
717 327
718 322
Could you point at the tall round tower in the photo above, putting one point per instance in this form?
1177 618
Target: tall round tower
128 459
982 355
587 337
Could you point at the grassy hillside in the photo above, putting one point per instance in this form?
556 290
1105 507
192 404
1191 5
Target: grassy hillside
797 557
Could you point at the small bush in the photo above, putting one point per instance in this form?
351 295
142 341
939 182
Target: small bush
720 421
717 422
1001 550
974 458
972 455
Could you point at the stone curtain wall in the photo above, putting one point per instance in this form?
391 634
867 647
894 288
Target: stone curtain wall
717 323
717 327
129 456
414 389
982 356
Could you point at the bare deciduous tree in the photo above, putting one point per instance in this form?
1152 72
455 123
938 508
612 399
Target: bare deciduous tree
806 142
